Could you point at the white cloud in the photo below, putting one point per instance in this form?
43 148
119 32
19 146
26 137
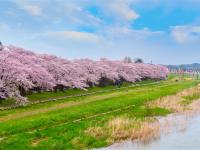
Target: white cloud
72 13
75 11
119 34
74 35
29 7
186 34
122 9
106 35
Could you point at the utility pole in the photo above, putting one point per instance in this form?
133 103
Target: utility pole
1 46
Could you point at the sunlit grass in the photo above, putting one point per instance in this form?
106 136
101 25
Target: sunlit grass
60 128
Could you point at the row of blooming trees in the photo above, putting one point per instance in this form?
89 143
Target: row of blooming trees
22 71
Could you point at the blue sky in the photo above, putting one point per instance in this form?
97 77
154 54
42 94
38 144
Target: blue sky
162 31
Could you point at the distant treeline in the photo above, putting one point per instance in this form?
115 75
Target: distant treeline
185 67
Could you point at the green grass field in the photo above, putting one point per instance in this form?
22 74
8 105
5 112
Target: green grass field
61 124
35 97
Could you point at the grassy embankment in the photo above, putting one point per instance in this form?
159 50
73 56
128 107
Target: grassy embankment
67 123
35 97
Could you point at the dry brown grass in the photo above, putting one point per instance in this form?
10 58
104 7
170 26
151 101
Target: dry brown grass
172 103
188 79
123 128
120 128
76 142
146 132
35 142
190 91
175 102
193 108
96 132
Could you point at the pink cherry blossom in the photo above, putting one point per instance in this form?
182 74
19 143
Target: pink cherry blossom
22 71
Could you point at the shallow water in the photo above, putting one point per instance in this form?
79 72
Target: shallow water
180 138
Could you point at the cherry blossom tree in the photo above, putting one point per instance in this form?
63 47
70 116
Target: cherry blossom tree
22 71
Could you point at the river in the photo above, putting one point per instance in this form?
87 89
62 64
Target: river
184 135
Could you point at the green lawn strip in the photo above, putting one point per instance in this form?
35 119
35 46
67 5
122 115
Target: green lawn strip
66 115
69 92
64 136
86 93
10 103
51 103
64 102
36 97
